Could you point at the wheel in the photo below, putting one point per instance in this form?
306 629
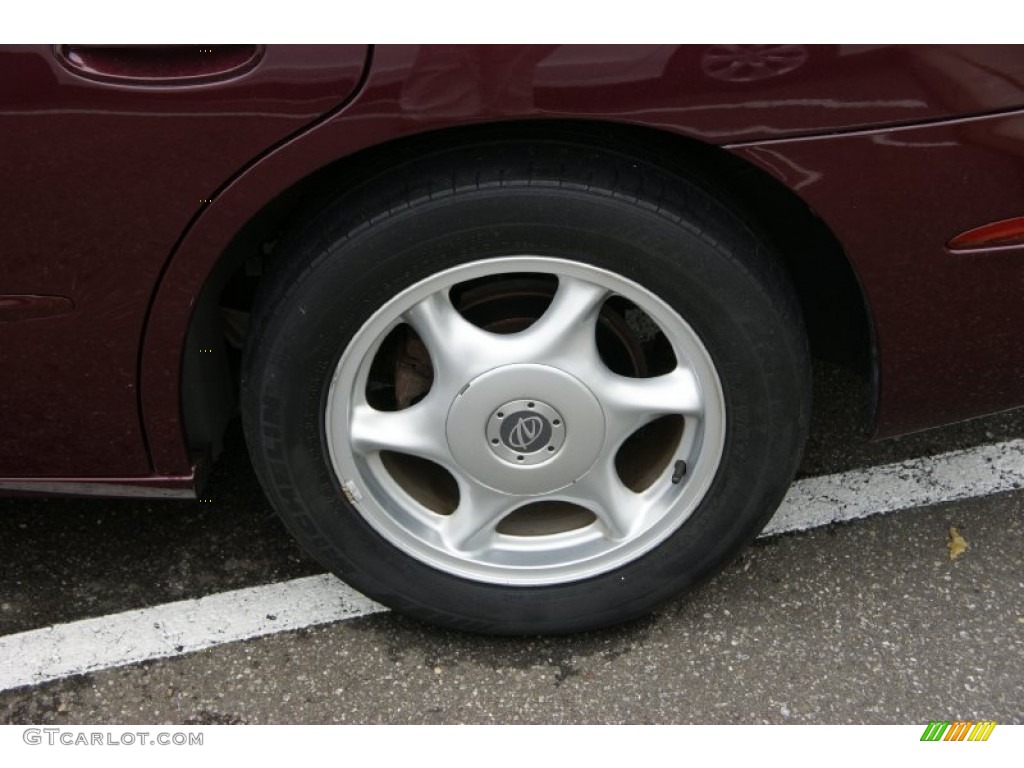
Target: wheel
499 390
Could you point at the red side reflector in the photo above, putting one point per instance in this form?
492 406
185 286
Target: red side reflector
1006 232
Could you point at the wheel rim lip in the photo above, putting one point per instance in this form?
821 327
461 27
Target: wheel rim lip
522 560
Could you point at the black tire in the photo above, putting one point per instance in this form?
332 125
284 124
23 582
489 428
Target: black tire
567 204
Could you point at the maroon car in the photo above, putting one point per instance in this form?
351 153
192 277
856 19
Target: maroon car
520 336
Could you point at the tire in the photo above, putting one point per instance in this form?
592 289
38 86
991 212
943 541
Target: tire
525 388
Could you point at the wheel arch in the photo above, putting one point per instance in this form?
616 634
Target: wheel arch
835 310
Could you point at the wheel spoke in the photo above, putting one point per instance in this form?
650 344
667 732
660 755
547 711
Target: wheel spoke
451 340
417 430
568 325
472 526
630 403
616 506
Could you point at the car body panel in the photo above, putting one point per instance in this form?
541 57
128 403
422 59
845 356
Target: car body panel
939 317
813 89
100 180
948 323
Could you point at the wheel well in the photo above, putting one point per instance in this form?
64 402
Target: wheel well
833 305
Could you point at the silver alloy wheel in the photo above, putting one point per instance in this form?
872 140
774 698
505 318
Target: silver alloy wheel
555 365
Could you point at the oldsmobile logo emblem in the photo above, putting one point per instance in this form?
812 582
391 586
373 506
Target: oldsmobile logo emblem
525 431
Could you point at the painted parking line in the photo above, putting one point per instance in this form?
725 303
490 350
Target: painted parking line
174 629
816 501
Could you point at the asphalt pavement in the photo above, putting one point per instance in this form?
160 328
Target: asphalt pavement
869 621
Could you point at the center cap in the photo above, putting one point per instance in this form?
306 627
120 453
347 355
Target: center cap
525 432
525 429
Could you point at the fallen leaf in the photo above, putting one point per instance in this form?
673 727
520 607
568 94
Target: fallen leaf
957 543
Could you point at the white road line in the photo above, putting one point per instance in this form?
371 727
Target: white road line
178 628
817 501
174 629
